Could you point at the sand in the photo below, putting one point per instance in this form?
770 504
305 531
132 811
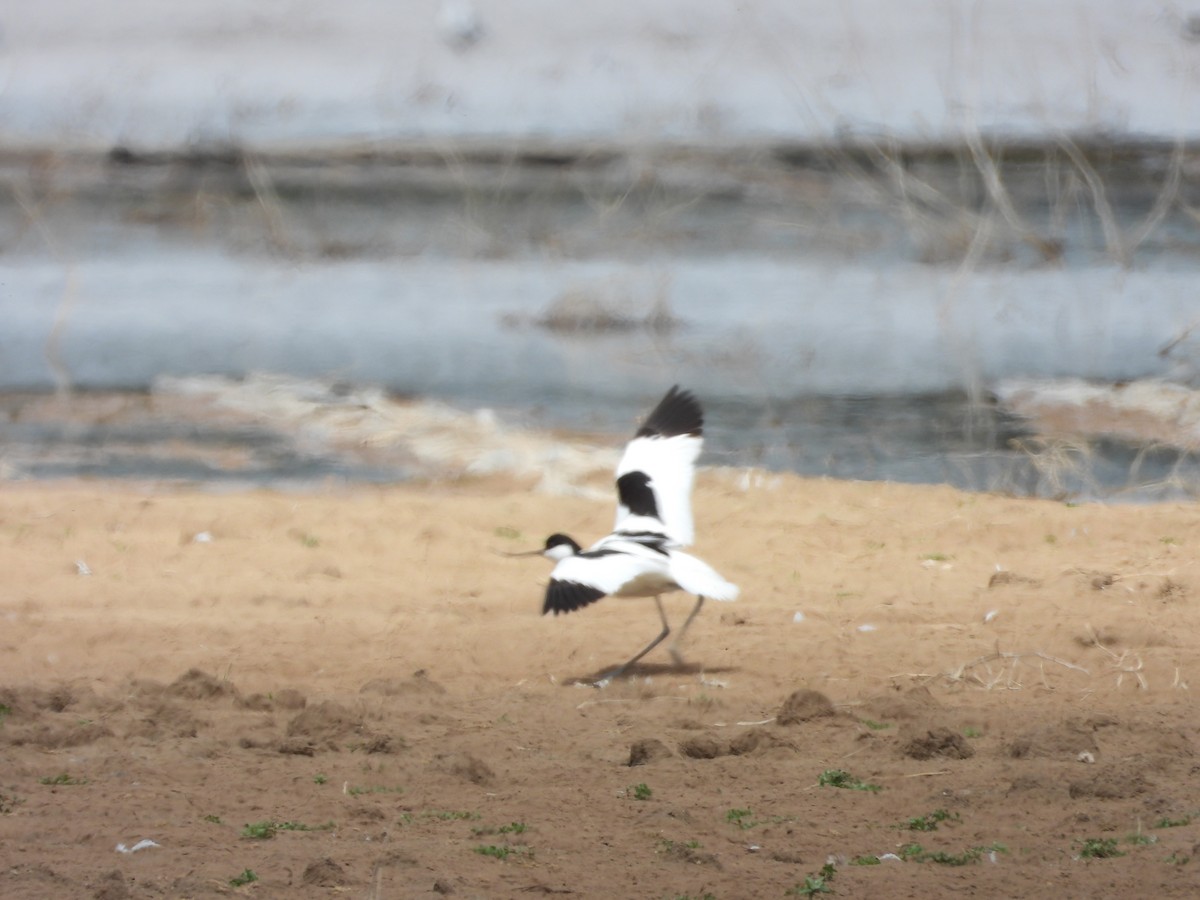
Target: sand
358 675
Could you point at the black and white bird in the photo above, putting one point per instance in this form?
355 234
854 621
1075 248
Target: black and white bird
643 556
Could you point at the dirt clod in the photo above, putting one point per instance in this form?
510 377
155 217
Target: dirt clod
938 741
647 751
804 705
703 747
195 684
325 873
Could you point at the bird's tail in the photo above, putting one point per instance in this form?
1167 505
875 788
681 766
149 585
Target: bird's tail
697 577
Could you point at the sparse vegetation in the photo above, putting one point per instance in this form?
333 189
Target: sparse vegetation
744 819
867 860
876 726
916 853
511 828
1173 823
319 779
641 791
438 815
268 829
667 846
498 851
815 884
62 778
930 822
840 778
215 820
356 790
308 540
247 877
1098 848
740 818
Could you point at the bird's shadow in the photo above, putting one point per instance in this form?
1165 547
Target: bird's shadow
648 670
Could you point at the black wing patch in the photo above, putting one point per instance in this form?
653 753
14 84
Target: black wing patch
636 495
568 596
677 413
651 540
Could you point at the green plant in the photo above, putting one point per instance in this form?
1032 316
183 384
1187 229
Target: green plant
1173 823
493 851
319 779
916 853
267 829
246 877
504 531
641 791
259 830
740 818
61 778
876 726
511 828
930 822
216 820
865 861
5 712
1098 848
679 849
449 815
355 790
970 855
815 884
443 815
840 778
972 732
502 852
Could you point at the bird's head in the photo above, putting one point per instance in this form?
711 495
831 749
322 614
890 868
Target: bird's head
558 546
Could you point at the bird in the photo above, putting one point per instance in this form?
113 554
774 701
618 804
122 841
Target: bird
643 556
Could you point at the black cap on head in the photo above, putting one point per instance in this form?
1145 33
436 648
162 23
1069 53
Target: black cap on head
558 539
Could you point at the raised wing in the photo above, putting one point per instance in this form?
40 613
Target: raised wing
655 474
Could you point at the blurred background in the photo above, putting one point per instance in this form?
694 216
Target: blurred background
277 240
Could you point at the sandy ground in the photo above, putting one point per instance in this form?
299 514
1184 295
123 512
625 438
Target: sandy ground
348 692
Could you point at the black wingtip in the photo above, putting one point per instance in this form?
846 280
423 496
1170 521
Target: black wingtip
677 413
568 596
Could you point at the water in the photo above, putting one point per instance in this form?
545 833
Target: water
838 318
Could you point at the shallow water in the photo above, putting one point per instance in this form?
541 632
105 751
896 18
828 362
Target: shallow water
835 320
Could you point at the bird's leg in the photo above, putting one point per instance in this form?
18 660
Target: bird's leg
674 648
666 629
